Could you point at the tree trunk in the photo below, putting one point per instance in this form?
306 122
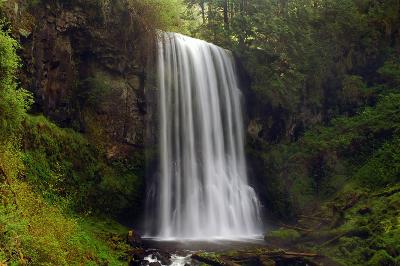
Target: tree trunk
202 11
226 18
283 7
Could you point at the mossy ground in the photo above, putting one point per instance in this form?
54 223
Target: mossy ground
377 219
356 227
36 233
49 199
338 185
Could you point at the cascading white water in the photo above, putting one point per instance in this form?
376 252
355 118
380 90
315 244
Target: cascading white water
203 190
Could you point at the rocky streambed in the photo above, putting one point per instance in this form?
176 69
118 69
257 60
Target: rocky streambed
216 252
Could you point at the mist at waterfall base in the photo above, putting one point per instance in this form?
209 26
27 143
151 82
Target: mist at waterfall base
201 189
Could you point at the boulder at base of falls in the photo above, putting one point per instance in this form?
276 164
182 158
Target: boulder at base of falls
134 239
158 255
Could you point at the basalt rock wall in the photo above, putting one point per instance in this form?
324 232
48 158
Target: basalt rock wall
84 62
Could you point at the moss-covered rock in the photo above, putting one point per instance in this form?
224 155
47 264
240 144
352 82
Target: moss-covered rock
286 235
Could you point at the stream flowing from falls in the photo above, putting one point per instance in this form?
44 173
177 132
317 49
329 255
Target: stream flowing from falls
202 189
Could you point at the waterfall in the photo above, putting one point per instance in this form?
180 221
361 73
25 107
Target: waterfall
202 188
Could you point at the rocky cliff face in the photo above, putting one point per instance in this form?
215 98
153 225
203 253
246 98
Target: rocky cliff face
85 63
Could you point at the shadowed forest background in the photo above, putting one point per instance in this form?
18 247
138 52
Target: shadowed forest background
321 82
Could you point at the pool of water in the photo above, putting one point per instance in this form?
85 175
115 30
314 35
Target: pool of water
202 245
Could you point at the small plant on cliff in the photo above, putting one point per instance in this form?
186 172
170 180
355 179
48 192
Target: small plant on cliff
158 14
13 101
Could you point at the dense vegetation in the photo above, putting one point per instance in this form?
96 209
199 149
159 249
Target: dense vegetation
59 190
299 53
37 226
324 100
323 80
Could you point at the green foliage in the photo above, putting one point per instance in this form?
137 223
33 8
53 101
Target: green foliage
378 214
163 14
211 257
34 232
152 15
384 166
370 125
390 72
13 101
362 149
353 158
355 92
331 69
306 55
282 234
381 258
62 163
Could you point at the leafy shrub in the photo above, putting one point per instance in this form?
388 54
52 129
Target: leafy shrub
158 14
360 149
383 168
13 101
390 72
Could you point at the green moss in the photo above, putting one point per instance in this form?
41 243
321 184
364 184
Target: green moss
381 258
47 173
390 71
212 258
103 239
56 172
65 167
383 168
283 234
38 233
369 233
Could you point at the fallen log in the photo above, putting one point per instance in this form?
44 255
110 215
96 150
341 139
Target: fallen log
387 193
318 219
300 254
353 201
207 260
333 239
249 258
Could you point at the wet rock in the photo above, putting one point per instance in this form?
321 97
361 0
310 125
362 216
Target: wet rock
137 253
138 263
155 263
134 239
163 257
266 261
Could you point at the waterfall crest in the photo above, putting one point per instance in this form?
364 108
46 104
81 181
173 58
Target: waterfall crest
202 188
